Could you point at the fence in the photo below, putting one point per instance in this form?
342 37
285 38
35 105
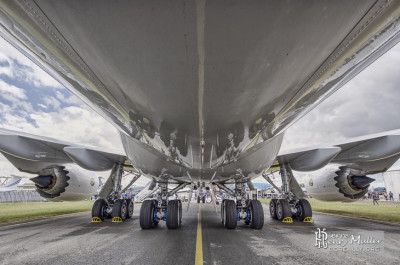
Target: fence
20 196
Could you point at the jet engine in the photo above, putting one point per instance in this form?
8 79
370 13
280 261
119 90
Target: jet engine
65 183
337 183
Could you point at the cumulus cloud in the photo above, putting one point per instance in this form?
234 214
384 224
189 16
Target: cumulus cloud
7 89
369 103
57 114
17 66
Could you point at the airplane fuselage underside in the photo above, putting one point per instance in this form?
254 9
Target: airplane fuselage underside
248 166
202 83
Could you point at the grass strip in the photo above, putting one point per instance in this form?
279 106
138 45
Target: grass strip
386 211
10 212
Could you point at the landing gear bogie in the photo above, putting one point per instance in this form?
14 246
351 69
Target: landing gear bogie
281 208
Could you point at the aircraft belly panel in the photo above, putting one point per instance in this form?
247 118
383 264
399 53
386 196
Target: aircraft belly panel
155 165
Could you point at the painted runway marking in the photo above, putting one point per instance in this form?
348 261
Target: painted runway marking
199 242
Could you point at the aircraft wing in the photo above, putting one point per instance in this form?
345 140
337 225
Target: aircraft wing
372 154
31 153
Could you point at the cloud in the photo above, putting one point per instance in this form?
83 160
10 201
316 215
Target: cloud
369 103
72 124
57 113
52 102
16 65
7 89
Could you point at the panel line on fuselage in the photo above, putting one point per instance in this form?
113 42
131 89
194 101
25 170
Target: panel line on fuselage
200 6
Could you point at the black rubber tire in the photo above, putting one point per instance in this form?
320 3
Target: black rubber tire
129 207
180 212
119 209
272 208
198 199
98 209
173 214
204 199
282 209
230 214
222 211
146 214
306 210
257 214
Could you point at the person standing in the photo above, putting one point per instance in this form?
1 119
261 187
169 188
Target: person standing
391 196
375 198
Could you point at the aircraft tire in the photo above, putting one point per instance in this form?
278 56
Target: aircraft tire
198 199
230 214
257 214
98 209
180 211
129 207
305 208
272 208
119 209
173 215
282 209
222 211
203 199
146 214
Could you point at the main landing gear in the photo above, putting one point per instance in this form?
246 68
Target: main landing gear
162 209
293 204
251 211
111 204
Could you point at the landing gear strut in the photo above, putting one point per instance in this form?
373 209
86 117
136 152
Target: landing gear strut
292 204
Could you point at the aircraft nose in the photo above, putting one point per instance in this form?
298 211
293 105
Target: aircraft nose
361 182
42 181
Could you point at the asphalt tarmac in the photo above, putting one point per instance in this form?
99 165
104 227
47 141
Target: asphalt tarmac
72 239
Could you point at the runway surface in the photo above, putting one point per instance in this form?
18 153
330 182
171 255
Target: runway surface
72 239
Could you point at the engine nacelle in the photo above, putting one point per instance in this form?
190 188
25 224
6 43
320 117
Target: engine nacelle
66 183
337 183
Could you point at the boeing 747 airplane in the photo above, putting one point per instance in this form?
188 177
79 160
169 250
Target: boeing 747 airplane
202 93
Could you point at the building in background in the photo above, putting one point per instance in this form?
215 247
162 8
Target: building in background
18 189
392 182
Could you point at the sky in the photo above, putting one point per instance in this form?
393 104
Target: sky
33 102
